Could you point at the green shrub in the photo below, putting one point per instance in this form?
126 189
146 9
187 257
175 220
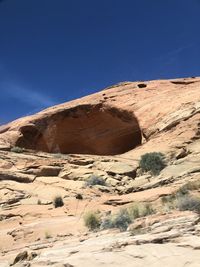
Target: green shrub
152 162
188 203
140 210
134 211
186 188
147 210
107 223
17 149
120 220
95 180
182 191
92 220
168 199
124 217
190 186
58 202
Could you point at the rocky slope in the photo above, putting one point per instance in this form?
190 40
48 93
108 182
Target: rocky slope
103 134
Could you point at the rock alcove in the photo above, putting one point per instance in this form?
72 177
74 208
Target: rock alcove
85 129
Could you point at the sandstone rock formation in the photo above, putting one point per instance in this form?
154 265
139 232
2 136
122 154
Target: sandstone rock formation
83 129
111 121
103 134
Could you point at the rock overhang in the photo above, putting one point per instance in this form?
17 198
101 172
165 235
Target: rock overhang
83 129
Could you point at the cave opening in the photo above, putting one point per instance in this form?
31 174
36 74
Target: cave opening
142 85
86 129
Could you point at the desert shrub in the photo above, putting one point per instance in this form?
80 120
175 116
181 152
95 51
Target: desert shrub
140 210
137 231
169 202
79 196
186 188
124 217
58 155
107 223
193 185
190 186
134 211
17 149
120 220
58 202
188 203
95 180
47 235
92 220
182 191
147 210
152 162
168 199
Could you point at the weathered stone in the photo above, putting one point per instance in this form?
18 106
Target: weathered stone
16 176
49 171
118 168
103 188
20 257
112 182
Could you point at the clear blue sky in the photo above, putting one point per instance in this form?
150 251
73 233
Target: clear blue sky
55 51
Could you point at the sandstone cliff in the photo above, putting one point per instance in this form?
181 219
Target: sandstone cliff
103 134
112 121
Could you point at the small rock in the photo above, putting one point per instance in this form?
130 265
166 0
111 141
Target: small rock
102 188
49 171
20 257
181 153
112 182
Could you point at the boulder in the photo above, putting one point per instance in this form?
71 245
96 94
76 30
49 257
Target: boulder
21 257
118 168
16 176
49 171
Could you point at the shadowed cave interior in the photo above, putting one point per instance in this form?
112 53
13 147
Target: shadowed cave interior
85 129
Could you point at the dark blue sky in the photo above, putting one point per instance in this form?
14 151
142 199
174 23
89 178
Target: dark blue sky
55 51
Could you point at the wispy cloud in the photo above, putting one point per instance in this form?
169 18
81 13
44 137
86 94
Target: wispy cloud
175 52
25 95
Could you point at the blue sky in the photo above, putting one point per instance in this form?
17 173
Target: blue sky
55 51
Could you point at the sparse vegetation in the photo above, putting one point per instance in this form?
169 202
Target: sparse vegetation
120 220
95 180
188 203
137 231
190 186
147 210
140 210
79 196
17 149
169 201
152 162
134 211
107 223
58 202
92 220
124 217
182 200
182 191
47 235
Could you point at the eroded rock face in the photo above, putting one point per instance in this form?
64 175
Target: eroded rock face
112 121
85 129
